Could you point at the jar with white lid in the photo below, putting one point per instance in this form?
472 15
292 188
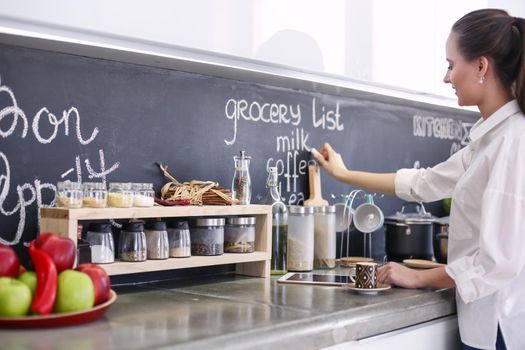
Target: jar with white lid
143 195
239 234
207 236
300 252
69 194
324 237
95 194
120 195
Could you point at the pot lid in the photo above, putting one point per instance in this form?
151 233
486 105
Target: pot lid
419 216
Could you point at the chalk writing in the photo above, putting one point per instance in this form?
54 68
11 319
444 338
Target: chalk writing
55 122
291 165
31 193
329 119
260 112
440 128
13 110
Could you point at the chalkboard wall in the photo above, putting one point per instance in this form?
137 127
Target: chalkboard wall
66 116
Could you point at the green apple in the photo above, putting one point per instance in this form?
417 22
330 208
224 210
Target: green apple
29 279
75 292
15 297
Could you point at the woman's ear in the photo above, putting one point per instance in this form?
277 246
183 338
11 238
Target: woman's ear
483 66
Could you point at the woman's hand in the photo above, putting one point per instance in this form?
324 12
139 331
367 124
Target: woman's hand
331 161
398 275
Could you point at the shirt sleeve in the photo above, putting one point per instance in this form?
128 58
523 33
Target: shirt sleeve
431 184
500 256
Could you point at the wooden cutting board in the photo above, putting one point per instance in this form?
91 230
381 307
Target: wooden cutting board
421 264
314 177
350 261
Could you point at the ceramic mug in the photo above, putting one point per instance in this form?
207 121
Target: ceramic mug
365 275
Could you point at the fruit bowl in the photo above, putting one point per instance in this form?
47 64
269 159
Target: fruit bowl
59 320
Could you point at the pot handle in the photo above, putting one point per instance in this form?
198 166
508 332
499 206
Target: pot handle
416 205
443 234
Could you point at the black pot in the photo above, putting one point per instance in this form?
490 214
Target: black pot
410 235
441 239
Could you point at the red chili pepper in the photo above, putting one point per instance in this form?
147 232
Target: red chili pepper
46 281
171 202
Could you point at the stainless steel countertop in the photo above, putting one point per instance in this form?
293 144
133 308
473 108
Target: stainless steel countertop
239 312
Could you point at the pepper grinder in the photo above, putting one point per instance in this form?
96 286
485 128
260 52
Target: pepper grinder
241 184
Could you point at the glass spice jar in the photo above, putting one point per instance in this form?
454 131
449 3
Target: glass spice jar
143 195
69 195
300 253
239 234
207 236
95 195
100 240
241 183
132 242
179 239
120 195
157 240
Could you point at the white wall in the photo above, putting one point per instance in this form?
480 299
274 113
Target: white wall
394 43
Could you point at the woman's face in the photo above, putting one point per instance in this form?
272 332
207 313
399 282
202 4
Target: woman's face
462 75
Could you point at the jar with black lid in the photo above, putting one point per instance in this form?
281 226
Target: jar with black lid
239 234
132 242
157 240
179 239
101 243
207 236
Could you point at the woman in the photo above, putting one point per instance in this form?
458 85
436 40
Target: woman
486 179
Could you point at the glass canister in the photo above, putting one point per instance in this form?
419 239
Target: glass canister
179 239
300 254
69 195
120 195
242 184
324 237
143 195
101 243
132 242
207 236
239 234
157 240
95 195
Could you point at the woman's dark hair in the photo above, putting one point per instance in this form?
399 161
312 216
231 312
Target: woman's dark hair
496 35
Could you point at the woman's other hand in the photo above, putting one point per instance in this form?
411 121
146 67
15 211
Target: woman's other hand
331 161
398 275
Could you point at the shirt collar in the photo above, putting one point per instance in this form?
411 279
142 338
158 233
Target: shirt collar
484 126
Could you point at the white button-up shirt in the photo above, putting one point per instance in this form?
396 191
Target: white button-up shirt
486 245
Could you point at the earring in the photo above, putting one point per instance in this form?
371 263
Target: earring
481 79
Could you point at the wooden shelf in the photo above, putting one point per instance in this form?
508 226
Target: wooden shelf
119 268
65 222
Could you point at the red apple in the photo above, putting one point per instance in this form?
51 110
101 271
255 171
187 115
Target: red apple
100 280
61 249
9 263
